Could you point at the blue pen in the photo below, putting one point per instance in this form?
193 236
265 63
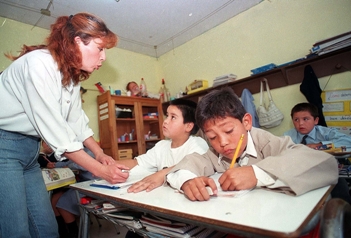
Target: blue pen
104 186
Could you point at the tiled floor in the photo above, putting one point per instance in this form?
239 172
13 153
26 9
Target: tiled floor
106 230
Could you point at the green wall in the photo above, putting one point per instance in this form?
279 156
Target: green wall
273 31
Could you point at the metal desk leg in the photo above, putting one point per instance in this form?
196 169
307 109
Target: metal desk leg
84 220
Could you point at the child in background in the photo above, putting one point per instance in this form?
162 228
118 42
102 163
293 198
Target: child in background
133 88
264 160
308 132
178 127
64 200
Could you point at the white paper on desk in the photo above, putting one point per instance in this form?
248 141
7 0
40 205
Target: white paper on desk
135 175
221 193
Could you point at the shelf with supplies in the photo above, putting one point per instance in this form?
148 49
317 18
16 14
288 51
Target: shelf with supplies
128 124
327 64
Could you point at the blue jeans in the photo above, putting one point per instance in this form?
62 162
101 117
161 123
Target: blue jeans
25 207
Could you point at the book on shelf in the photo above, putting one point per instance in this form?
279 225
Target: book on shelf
224 79
209 233
58 177
334 47
150 117
170 233
126 215
331 44
160 220
332 39
176 227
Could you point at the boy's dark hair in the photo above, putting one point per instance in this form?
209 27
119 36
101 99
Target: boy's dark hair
188 109
305 107
219 103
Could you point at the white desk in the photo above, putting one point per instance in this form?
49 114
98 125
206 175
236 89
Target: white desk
259 212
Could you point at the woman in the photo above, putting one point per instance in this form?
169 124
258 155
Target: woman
40 98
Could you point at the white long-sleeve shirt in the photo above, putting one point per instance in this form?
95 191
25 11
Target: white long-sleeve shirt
34 102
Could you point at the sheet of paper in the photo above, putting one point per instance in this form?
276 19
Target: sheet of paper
136 174
222 193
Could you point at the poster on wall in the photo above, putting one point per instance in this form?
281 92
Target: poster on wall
337 109
338 95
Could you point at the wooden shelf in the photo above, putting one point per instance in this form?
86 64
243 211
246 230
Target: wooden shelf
111 128
332 63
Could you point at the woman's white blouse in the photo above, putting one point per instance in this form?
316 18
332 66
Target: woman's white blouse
34 102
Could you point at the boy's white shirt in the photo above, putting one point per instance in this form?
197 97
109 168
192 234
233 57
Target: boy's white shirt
179 177
162 155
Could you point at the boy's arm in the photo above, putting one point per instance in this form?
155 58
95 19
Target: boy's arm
194 165
339 139
150 182
302 169
130 163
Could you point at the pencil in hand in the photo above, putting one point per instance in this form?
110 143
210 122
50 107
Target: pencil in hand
237 151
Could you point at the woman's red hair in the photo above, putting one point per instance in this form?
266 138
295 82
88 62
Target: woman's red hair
63 48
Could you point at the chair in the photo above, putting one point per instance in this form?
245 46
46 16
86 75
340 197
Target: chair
336 219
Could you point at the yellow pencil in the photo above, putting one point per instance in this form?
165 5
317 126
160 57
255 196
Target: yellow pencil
237 151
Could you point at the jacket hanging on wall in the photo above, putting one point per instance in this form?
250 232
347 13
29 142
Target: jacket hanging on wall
312 91
247 101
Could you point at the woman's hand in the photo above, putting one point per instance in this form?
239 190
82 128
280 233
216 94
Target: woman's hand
105 159
113 173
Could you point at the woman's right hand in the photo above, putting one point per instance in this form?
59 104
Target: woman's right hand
113 173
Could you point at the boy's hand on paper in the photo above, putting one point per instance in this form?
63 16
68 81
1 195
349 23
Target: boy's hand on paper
239 178
195 189
148 183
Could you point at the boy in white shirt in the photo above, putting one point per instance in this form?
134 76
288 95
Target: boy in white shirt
179 126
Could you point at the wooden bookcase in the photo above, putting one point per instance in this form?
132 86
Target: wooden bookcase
112 127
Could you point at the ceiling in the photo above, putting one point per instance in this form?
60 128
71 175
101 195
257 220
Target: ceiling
150 27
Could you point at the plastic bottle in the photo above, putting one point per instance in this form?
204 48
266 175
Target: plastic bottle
143 88
164 92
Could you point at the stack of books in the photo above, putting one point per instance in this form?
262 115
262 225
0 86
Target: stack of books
169 228
224 79
332 44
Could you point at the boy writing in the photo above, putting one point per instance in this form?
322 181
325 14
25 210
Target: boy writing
307 131
178 127
264 160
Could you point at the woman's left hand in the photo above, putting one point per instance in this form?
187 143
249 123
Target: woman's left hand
105 159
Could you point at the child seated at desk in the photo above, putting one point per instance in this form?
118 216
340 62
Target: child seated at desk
264 160
308 132
178 127
64 200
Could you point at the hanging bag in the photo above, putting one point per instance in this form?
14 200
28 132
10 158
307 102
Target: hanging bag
270 116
